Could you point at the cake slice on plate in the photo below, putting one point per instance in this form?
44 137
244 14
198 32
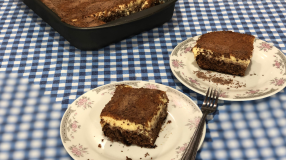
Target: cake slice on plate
134 115
224 51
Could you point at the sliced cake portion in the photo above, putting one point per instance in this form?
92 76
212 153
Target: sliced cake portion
224 51
134 115
90 13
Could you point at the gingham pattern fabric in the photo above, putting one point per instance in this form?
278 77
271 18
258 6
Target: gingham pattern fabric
41 74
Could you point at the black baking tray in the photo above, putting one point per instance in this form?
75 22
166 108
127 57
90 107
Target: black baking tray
94 38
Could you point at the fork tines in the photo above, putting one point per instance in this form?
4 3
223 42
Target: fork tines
212 98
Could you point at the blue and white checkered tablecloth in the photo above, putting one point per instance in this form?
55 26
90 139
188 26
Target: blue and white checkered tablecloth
41 74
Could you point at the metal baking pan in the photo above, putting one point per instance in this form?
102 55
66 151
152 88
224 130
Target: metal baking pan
94 38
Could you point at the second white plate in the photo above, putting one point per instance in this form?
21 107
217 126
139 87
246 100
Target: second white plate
265 76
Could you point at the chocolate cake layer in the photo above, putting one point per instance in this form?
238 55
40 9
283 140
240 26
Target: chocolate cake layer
220 66
90 13
134 112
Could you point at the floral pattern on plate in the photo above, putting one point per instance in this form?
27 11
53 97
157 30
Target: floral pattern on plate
255 93
151 86
180 150
223 94
84 102
278 63
73 125
78 150
265 46
193 123
278 81
177 64
65 127
83 138
265 75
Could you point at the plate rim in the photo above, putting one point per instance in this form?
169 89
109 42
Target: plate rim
221 98
122 82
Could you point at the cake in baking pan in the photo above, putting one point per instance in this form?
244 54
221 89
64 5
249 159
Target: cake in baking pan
91 13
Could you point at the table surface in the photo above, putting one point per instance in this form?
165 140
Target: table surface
41 74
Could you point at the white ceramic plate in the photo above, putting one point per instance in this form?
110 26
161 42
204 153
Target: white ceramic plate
81 131
265 76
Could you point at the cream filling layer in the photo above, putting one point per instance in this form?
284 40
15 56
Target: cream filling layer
127 9
131 126
197 51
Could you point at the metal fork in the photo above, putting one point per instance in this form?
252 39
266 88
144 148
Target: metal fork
209 106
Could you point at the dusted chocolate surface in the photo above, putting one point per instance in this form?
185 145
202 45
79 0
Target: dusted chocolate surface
81 13
138 105
227 43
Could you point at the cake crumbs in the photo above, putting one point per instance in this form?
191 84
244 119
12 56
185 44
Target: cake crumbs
207 76
147 154
121 151
221 80
169 121
110 145
127 158
99 146
102 140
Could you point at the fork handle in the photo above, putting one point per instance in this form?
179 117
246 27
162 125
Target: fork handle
197 137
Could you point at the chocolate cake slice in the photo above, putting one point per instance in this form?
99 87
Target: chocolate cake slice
90 13
224 51
134 115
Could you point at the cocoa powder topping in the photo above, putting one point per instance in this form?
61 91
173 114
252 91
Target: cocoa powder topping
227 43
